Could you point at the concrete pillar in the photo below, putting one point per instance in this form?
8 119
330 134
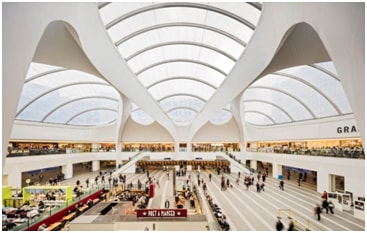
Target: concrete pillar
95 165
177 147
277 170
95 147
15 178
323 180
253 164
189 147
67 170
118 163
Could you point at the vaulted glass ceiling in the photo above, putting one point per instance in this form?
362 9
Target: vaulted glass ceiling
63 96
181 52
295 94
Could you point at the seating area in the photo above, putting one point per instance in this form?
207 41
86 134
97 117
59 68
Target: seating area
188 200
217 212
70 214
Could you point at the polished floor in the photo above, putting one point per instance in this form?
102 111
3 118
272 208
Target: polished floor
247 210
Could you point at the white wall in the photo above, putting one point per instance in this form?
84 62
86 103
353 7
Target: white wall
154 132
353 170
218 133
318 129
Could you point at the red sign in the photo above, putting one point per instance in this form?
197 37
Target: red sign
163 213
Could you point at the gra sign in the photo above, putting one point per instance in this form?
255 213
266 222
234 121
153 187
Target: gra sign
161 213
347 129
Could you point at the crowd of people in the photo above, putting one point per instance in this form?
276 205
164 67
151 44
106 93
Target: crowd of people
335 151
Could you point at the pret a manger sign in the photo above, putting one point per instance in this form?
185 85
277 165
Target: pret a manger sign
161 213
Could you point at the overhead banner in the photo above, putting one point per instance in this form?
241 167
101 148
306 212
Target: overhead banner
163 213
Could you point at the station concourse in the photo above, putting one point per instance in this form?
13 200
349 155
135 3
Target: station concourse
183 93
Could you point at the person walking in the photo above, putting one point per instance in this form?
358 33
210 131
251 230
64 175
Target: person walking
210 177
317 211
258 187
331 207
264 176
299 181
279 225
291 226
281 185
324 195
87 182
325 205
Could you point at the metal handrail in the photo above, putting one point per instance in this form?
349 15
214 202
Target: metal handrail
299 220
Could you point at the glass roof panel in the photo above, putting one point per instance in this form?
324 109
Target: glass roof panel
267 109
49 92
294 108
316 102
181 86
141 117
229 25
113 11
186 34
257 119
241 9
315 89
38 68
222 117
65 112
329 85
166 42
95 117
181 101
184 69
182 116
186 52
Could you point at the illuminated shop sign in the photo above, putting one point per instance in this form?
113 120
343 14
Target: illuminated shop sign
161 213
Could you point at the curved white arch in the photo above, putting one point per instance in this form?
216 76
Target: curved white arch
182 4
40 75
193 43
178 78
181 60
195 25
182 94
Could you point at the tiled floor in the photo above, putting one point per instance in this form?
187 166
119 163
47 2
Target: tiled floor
248 210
